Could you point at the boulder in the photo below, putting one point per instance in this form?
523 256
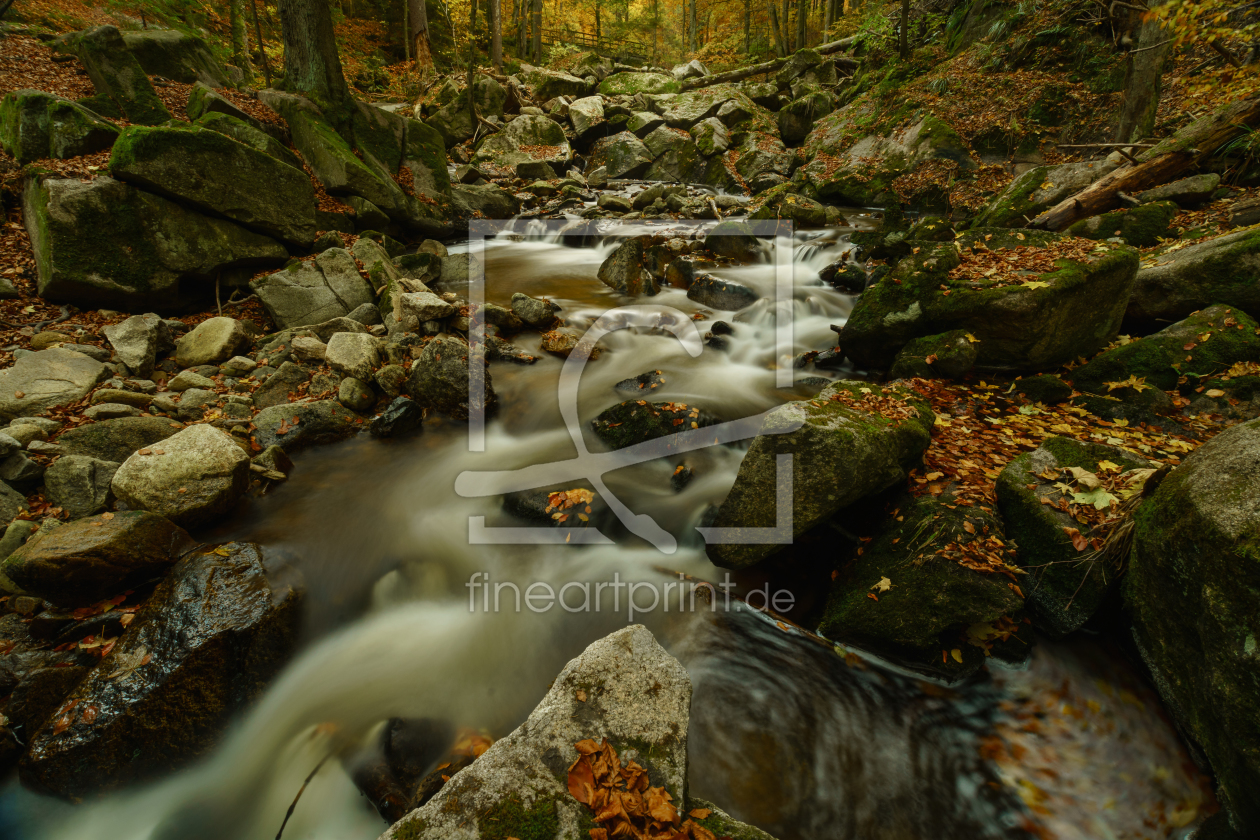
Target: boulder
354 354
526 139
587 117
116 74
1063 592
137 341
401 417
622 155
440 379
687 109
297 426
1141 226
548 84
537 312
716 293
217 175
624 270
1039 189
79 484
711 136
209 639
177 56
46 379
251 135
861 173
11 504
759 156
115 440
797 118
781 202
424 157
281 387
623 690
355 394
489 200
1186 192
204 99
1023 322
636 421
425 306
643 123
628 83
35 125
212 341
676 157
104 243
89 560
1193 594
845 447
950 354
191 478
1174 282
311 292
691 70
734 240
925 599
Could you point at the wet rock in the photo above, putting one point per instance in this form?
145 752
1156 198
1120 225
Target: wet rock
950 355
46 379
355 394
622 155
354 354
1172 284
211 636
212 341
537 312
733 240
89 560
931 602
779 202
79 484
191 478
490 200
845 447
1192 592
297 426
636 421
104 243
391 379
402 417
313 292
115 440
440 378
1041 322
623 688
281 386
1063 591
624 269
614 203
645 382
501 350
715 293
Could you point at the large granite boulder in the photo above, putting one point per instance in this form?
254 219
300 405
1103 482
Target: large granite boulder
91 559
526 139
1193 594
1174 282
79 484
440 379
115 440
301 425
1039 189
46 379
104 243
191 478
206 643
548 84
314 291
628 83
849 442
116 74
35 125
1021 321
175 55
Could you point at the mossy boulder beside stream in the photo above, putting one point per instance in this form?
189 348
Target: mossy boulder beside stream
1193 594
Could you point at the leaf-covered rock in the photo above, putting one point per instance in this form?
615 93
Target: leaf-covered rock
1177 281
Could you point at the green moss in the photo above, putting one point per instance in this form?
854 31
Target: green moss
1015 204
629 83
510 819
408 828
1142 227
1142 358
1046 388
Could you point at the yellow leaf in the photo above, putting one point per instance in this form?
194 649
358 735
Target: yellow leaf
957 655
1215 392
883 586
1108 466
1137 383
972 339
1035 284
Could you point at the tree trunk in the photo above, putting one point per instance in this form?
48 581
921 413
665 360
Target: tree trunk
779 49
1142 79
691 27
747 27
418 21
770 66
1165 162
522 30
535 25
905 29
240 40
469 87
802 15
311 64
262 52
785 17
496 35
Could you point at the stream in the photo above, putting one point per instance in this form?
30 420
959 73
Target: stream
785 733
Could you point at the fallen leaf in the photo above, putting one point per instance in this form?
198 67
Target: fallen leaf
883 585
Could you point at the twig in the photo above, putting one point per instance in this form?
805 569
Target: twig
218 305
301 790
493 128
1153 46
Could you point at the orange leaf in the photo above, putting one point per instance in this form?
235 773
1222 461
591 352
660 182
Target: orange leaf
582 781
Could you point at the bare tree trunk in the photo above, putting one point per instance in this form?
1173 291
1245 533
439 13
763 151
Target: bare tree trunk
1142 80
536 27
656 26
773 65
262 52
418 21
496 35
785 18
311 64
905 29
802 16
469 87
691 27
522 30
747 26
240 40
780 49
597 30
828 10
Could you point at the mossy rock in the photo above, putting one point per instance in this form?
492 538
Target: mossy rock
844 451
628 83
1144 359
1033 326
1045 388
932 599
1174 283
1141 227
1037 190
1063 591
117 74
175 55
24 124
950 355
721 823
74 130
1193 594
243 132
636 421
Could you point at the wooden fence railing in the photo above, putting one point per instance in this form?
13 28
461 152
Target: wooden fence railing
624 48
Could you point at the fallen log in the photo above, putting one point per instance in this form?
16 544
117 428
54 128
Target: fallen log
1165 162
770 66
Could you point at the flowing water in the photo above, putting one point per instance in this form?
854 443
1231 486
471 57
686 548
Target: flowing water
784 732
